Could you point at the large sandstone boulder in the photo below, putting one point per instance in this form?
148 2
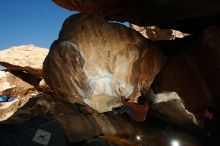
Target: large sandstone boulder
93 58
28 58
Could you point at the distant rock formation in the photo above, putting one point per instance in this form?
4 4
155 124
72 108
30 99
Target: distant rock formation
93 58
27 58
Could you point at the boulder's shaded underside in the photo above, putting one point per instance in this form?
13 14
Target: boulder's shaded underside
186 15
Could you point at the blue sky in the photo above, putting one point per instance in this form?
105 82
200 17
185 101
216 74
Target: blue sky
35 22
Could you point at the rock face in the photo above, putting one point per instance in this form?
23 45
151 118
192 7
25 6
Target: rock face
187 16
193 71
28 58
93 58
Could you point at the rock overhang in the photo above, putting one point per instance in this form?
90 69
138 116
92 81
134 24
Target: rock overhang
187 16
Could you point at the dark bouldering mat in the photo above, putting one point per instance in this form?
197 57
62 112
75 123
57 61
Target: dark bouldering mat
36 132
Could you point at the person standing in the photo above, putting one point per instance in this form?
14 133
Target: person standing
211 129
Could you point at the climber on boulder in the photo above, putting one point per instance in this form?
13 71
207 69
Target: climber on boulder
137 111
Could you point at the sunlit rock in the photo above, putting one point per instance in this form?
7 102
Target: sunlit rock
27 58
43 86
12 85
155 33
15 87
18 86
93 58
4 83
7 109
